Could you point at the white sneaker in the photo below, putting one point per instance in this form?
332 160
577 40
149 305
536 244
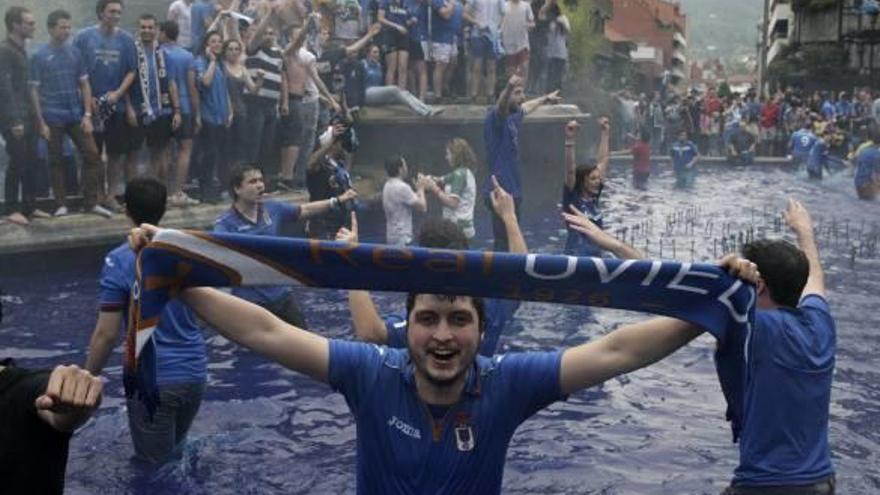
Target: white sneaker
182 199
101 211
61 211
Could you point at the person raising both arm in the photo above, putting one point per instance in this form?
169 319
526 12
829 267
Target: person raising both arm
582 188
440 375
501 134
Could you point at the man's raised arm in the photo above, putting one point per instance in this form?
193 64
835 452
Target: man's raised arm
635 346
259 330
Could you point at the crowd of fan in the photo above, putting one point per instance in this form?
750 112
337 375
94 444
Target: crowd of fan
226 82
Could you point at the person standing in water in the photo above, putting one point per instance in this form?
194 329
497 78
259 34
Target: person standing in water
582 187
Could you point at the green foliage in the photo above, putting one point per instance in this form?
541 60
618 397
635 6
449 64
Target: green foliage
724 90
583 44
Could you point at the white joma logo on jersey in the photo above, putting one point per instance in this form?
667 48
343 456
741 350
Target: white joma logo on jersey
404 428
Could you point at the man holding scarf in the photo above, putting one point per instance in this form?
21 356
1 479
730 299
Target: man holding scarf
435 416
155 101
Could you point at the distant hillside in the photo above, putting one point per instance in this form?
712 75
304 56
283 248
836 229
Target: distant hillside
728 26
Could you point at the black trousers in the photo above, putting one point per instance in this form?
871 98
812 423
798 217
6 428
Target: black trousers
21 172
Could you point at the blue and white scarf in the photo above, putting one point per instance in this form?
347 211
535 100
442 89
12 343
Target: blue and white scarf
702 294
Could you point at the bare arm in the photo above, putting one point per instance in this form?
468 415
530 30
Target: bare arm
362 42
261 331
502 203
626 349
581 223
602 155
208 76
533 104
569 176
368 325
502 105
317 207
103 339
798 218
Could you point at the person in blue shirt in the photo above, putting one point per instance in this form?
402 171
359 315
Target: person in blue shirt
582 188
436 417
214 117
783 443
182 70
800 144
181 359
110 57
684 154
201 16
155 97
253 214
867 174
817 160
438 234
501 135
60 95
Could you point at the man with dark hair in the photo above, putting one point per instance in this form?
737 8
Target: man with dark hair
154 97
181 361
784 439
501 135
399 200
252 213
60 95
17 119
39 410
111 62
182 70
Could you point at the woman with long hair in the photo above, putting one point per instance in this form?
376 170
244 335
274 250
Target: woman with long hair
215 116
582 188
457 190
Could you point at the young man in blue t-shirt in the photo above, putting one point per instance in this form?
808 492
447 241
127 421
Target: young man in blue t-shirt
501 135
181 360
60 93
783 443
684 154
867 174
182 70
800 144
111 61
253 214
436 417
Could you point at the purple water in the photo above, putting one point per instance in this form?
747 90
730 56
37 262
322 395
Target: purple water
263 429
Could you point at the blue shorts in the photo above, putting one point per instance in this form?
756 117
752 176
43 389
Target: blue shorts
482 47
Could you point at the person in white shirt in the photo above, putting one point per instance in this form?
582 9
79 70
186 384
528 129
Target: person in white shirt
398 201
515 26
180 11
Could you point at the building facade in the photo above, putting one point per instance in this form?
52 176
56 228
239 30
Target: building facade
659 30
